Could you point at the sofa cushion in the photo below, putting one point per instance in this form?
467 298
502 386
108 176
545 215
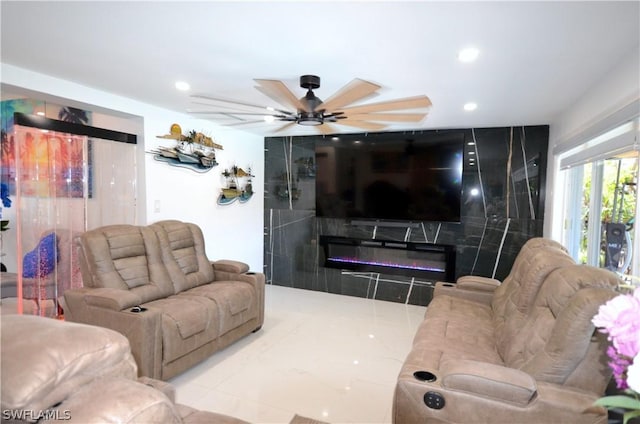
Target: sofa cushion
423 357
458 309
449 334
236 302
513 300
184 254
556 336
45 360
187 324
124 257
188 316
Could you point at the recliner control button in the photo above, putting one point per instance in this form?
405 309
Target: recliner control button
434 400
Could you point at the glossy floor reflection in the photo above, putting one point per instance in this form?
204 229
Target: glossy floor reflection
329 357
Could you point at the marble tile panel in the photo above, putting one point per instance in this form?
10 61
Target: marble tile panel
502 207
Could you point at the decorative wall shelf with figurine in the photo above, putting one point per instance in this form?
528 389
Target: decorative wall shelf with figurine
194 151
237 187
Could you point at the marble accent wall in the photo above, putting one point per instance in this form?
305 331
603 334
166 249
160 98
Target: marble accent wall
502 207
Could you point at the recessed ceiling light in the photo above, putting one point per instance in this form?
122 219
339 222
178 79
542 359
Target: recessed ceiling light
182 86
269 118
470 106
468 55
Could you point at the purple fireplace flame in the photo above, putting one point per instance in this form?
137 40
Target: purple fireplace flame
413 266
427 260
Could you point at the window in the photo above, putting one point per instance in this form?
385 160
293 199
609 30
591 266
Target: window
601 201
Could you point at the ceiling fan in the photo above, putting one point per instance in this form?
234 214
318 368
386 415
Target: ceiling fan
309 110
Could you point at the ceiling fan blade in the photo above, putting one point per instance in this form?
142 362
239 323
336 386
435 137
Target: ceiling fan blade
352 92
284 127
365 125
233 109
220 112
398 104
281 94
219 99
237 124
387 117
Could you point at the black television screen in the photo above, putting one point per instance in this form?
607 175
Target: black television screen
390 176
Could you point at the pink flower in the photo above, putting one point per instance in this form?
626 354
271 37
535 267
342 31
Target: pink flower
620 319
626 333
619 367
608 314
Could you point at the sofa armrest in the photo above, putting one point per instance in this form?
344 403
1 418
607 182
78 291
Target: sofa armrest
116 400
488 393
256 279
226 265
143 329
113 299
476 282
474 288
489 380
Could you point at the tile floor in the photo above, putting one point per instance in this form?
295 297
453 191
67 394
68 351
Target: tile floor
325 356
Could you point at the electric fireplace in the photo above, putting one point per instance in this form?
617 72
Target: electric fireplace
427 260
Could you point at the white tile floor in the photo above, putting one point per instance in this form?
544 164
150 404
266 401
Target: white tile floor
329 357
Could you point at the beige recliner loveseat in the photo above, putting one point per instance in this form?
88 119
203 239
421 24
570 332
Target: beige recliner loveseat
519 351
155 285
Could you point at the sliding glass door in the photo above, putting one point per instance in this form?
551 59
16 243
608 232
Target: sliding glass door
601 212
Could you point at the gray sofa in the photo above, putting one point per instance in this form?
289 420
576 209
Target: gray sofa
522 350
155 285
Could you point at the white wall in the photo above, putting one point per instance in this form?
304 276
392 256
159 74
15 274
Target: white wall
234 231
617 89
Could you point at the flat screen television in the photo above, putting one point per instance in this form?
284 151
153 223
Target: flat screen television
390 176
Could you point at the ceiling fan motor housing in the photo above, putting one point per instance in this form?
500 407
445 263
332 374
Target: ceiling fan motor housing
310 118
310 81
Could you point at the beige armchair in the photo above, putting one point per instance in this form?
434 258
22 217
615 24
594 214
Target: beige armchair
56 371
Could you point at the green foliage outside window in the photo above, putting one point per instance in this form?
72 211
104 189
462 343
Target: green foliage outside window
625 200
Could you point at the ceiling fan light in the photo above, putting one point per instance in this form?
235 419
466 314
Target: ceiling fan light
310 118
310 121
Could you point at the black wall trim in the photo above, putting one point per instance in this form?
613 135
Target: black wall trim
43 123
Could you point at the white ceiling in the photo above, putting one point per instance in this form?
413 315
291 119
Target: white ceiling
536 58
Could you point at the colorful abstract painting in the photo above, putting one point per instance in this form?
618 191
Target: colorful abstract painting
51 163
